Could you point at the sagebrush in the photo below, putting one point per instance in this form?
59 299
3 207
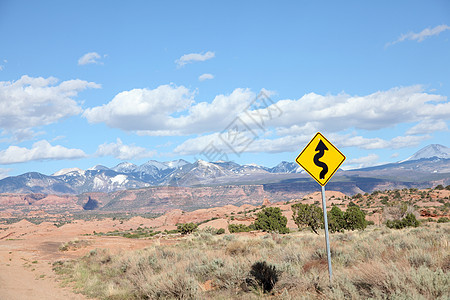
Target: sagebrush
378 263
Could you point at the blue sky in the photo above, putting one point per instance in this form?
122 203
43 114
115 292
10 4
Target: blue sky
101 82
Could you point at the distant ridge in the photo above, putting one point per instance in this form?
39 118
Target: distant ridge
67 171
431 163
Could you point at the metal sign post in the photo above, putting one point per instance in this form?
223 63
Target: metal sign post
321 160
327 240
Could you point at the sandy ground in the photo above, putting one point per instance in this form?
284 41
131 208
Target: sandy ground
26 270
27 252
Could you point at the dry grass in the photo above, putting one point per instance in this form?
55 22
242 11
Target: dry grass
374 264
73 245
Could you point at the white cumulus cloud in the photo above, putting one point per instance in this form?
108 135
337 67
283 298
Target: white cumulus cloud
382 109
205 76
428 126
41 150
124 152
169 110
276 126
89 58
31 102
141 109
421 36
192 57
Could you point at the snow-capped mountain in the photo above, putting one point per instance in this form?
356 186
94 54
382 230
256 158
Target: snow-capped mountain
228 165
431 151
99 168
72 171
286 167
152 166
200 172
125 167
176 163
241 169
431 159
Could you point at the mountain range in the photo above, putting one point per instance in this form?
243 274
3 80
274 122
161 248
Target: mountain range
427 166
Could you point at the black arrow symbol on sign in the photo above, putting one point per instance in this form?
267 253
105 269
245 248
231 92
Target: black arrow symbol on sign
321 147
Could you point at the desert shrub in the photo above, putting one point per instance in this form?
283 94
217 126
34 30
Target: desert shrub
72 245
355 218
396 224
411 221
186 228
439 187
443 220
237 248
307 215
240 228
351 203
420 258
220 231
212 230
168 286
271 219
173 231
336 221
357 196
408 221
265 275
397 211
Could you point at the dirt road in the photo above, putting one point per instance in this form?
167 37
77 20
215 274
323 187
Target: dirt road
27 252
26 273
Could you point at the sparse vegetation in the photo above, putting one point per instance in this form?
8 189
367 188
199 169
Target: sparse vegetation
73 245
233 228
140 232
186 228
408 221
412 263
312 216
377 263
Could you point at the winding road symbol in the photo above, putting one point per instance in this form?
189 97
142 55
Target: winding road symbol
321 147
320 158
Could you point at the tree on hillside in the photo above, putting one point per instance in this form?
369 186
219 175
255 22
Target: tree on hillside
355 218
336 221
271 219
307 215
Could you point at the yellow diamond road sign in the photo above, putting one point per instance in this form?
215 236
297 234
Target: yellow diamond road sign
321 159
